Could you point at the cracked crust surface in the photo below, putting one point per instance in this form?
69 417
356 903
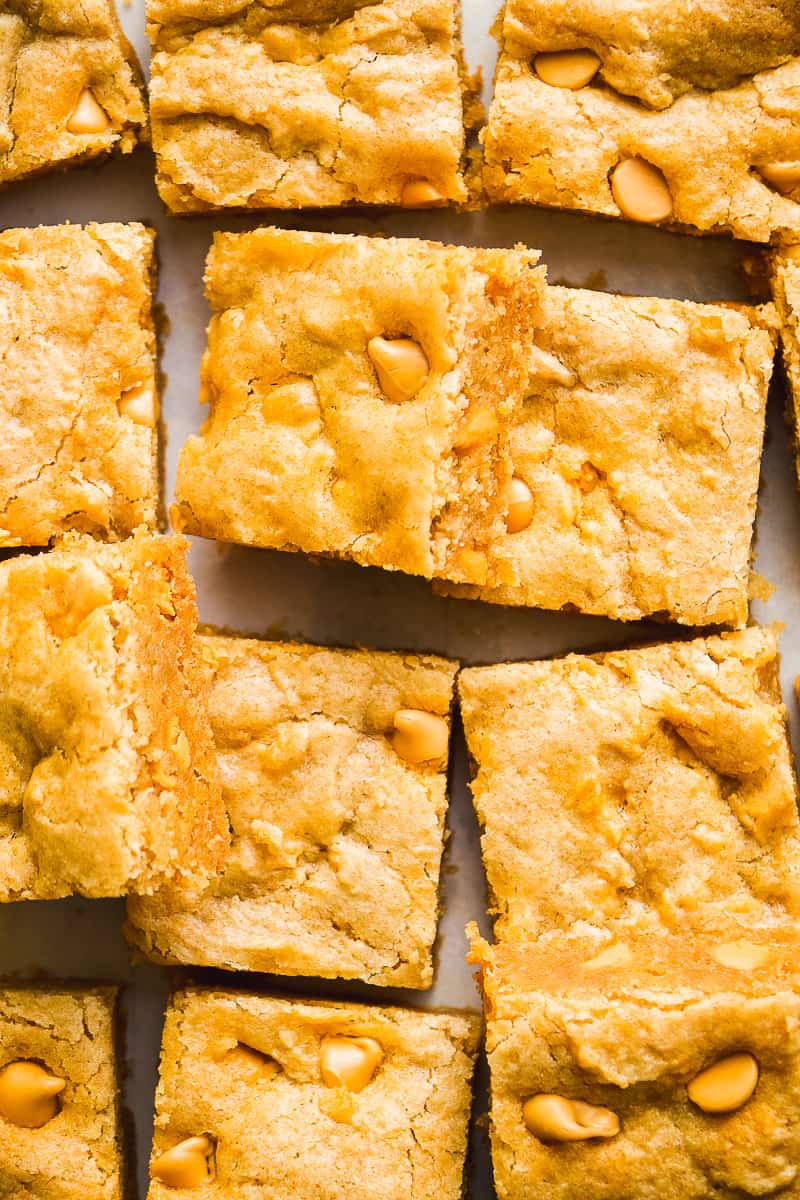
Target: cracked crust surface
50 52
337 841
785 278
296 105
629 1038
107 770
76 326
553 146
641 442
649 787
303 450
283 1133
76 1155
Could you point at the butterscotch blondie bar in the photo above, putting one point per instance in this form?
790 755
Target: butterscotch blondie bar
299 104
636 458
359 390
270 1098
70 85
107 770
333 766
78 394
656 1067
59 1128
686 115
647 787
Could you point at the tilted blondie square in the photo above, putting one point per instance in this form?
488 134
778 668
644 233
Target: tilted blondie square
268 1099
360 390
333 766
107 770
785 278
687 114
59 1125
647 787
309 103
78 392
70 86
657 1067
636 460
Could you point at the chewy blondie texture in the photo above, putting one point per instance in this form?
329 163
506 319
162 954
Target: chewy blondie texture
70 85
639 448
78 396
360 389
300 104
649 787
785 277
59 1131
107 771
698 101
686 1053
337 820
312 1100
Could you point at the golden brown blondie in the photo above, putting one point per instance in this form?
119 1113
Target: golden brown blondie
686 114
334 774
267 1099
107 771
298 104
650 787
70 86
78 390
59 1126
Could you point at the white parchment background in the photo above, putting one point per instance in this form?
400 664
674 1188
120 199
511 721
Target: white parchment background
283 595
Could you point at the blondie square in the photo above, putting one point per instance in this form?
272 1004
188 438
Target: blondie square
59 1127
70 86
785 275
309 104
636 460
649 787
78 394
333 766
687 114
654 1069
360 389
266 1099
107 769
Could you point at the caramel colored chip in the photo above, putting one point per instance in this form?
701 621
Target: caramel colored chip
419 736
557 1119
784 177
139 404
401 366
641 191
28 1094
480 428
618 955
187 1165
567 68
349 1062
519 511
726 1085
87 116
742 955
420 193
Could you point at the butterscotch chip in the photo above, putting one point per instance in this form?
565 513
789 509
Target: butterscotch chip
556 1119
139 404
783 176
28 1094
349 1062
420 737
401 366
726 1085
741 955
480 428
87 116
419 193
618 955
520 505
567 68
186 1165
641 191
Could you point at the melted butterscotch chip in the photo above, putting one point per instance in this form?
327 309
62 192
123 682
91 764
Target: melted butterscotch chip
726 1085
419 736
28 1094
554 1118
349 1062
420 193
87 116
784 177
401 366
189 1164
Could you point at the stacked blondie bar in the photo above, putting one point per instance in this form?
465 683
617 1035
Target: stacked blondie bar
447 412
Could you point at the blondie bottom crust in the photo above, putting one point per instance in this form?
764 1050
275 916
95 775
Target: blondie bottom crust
637 454
70 86
59 1129
264 1099
333 766
685 116
78 394
300 104
785 277
658 1068
361 390
107 769
646 787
